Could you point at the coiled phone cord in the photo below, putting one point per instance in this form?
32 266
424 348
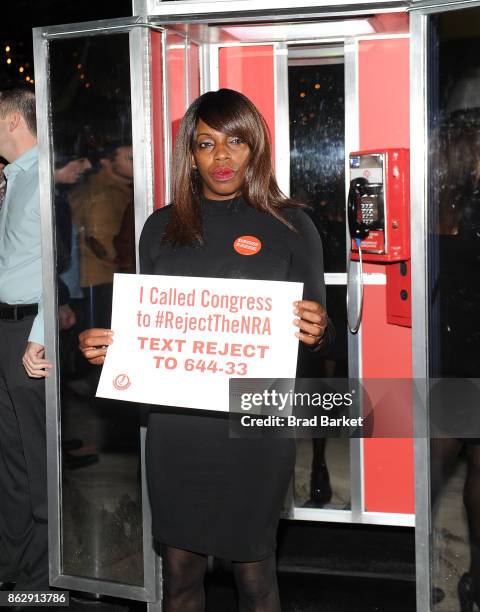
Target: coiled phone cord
354 328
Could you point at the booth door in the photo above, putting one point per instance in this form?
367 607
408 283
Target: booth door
92 82
309 161
446 198
310 95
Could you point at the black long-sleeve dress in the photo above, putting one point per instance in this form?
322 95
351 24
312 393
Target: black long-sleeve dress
209 493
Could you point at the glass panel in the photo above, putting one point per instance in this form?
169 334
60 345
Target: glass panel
317 177
454 253
101 513
322 469
317 152
193 71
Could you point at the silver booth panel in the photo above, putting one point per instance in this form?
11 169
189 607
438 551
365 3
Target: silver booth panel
90 81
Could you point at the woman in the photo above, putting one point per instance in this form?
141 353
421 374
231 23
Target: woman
212 495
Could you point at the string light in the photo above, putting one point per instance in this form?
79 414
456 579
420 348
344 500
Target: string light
79 66
317 85
27 78
21 69
302 94
82 76
7 48
9 60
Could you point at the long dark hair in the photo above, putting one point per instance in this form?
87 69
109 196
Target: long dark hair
232 113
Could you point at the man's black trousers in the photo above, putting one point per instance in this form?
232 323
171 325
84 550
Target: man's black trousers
23 465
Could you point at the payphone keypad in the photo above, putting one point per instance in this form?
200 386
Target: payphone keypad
370 209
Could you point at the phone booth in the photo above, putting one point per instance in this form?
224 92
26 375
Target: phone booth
346 90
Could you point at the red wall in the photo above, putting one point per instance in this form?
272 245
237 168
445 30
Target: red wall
386 349
176 98
176 81
250 70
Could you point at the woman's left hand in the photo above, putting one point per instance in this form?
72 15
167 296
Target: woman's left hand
311 322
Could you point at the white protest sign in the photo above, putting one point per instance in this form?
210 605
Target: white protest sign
178 339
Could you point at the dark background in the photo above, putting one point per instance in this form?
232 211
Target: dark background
18 17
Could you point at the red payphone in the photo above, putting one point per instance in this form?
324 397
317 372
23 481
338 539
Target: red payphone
379 222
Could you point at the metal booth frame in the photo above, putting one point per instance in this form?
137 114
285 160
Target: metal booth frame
161 13
143 185
420 12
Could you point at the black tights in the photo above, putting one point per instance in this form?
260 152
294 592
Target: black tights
444 453
184 572
257 585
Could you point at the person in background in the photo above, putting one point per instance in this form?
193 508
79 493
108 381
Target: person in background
456 301
23 366
124 242
98 209
71 165
3 555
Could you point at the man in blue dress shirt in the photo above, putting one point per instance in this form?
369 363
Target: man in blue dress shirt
23 367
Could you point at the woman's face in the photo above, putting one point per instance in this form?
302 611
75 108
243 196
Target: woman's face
221 161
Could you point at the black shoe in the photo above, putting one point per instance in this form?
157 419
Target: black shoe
467 595
320 488
73 462
438 595
7 586
72 444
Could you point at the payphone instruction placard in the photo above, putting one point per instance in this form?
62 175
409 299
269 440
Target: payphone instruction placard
178 340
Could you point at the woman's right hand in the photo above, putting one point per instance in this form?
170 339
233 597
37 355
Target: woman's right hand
94 344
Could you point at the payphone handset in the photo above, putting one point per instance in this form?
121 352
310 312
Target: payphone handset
378 212
378 205
359 221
